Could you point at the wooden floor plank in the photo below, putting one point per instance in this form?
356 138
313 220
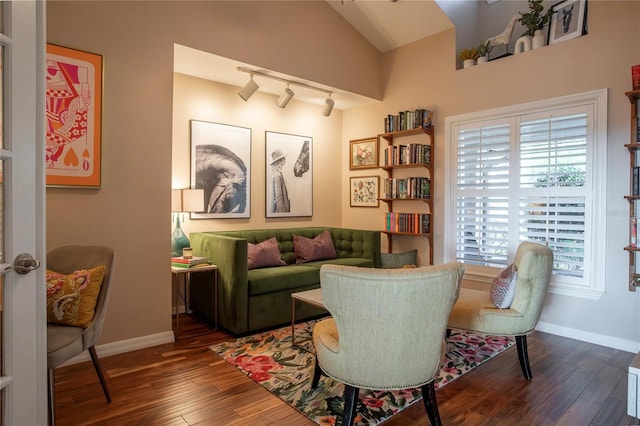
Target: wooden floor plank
184 383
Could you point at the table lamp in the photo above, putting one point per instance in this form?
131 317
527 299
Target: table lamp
182 201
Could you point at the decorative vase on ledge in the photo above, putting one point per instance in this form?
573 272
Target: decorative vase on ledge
482 59
523 44
468 63
537 40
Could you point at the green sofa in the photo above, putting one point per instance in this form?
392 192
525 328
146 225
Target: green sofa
257 299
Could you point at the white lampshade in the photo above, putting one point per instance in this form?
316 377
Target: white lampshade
176 200
193 200
187 200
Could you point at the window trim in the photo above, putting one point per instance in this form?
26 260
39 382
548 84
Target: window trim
598 100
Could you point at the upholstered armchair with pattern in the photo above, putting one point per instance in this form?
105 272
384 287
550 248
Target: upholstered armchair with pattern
387 329
476 310
65 341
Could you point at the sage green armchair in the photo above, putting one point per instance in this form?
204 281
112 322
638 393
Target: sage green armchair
387 329
475 310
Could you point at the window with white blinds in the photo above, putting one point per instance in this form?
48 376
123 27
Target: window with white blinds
529 176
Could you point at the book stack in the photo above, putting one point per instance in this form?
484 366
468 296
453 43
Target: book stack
407 120
181 262
413 153
411 223
635 77
407 188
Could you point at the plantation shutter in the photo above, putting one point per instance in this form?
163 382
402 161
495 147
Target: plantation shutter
482 193
524 178
553 191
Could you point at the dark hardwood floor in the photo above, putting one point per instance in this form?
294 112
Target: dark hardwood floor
184 383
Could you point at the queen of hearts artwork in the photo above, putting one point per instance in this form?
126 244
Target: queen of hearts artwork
73 96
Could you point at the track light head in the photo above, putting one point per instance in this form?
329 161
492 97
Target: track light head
328 106
248 89
286 96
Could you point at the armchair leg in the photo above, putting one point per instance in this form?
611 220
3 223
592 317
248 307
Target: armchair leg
523 356
430 403
51 390
96 365
316 375
350 405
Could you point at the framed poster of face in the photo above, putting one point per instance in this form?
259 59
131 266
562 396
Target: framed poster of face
221 166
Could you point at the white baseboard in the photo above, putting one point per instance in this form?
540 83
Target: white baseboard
125 346
585 336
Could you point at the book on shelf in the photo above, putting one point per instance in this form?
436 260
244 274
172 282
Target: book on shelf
635 181
407 120
635 77
181 262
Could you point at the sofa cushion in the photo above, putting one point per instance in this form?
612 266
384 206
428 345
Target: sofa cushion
503 287
346 261
270 280
319 248
264 254
399 260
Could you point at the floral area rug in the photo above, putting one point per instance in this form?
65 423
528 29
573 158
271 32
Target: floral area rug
286 370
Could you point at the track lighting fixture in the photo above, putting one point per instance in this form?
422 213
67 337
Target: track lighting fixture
286 96
248 89
328 106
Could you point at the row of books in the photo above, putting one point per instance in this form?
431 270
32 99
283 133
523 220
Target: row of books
406 188
413 153
182 262
635 181
414 223
633 232
407 120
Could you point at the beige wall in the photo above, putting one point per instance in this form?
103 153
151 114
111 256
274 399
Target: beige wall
131 212
422 75
205 100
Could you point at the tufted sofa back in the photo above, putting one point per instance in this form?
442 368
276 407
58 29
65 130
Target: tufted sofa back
348 242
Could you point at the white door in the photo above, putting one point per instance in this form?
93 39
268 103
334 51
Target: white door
22 225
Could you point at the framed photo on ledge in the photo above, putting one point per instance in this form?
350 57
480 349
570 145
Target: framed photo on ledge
569 20
363 153
73 118
364 191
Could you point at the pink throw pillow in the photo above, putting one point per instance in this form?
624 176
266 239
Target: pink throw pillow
264 254
319 248
503 287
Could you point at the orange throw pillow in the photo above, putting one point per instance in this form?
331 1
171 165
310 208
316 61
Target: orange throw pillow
71 299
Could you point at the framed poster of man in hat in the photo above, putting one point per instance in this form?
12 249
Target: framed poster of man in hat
289 175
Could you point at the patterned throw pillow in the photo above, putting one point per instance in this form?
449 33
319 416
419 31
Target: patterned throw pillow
319 248
503 287
71 299
264 254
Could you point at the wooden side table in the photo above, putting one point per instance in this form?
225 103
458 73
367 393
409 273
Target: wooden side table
181 277
312 297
